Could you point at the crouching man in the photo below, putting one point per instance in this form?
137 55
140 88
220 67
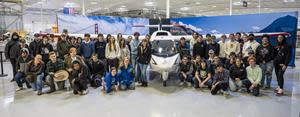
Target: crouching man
186 70
110 81
254 75
220 80
79 76
126 75
35 73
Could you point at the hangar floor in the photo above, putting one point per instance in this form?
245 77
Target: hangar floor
154 101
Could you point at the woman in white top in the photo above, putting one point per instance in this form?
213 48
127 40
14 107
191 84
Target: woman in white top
123 49
112 52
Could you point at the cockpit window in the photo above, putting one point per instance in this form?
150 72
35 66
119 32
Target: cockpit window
161 34
163 48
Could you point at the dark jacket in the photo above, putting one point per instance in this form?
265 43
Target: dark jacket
63 48
96 68
265 54
44 51
81 74
186 68
22 63
35 47
144 55
126 75
100 49
222 77
212 46
283 54
238 72
184 50
35 70
12 49
199 49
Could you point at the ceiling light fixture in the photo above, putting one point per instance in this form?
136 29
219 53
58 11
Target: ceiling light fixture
185 8
149 4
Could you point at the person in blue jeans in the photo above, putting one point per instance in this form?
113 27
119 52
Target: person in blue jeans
126 75
144 56
21 68
35 73
111 81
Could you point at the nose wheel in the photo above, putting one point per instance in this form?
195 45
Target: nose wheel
165 76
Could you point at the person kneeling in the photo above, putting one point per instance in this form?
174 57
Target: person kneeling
254 75
80 75
126 74
97 69
220 80
203 76
110 81
35 74
185 71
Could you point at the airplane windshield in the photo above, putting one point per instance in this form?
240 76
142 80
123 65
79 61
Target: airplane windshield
163 48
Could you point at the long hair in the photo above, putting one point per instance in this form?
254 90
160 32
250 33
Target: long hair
142 47
122 45
112 44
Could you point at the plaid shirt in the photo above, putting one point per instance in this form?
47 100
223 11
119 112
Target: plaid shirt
54 67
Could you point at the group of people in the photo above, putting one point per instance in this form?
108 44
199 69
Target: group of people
113 64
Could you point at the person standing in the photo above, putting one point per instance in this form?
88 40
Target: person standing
123 49
87 48
183 48
100 46
35 44
231 46
134 48
265 55
199 47
112 53
143 59
12 50
222 48
281 60
45 49
63 46
249 46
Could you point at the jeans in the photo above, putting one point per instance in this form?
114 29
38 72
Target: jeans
254 91
135 66
196 82
267 69
127 85
183 79
143 73
39 83
233 86
20 79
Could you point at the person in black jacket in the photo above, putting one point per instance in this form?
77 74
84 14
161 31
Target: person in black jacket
35 44
45 49
183 48
97 69
144 56
12 50
185 69
199 47
281 60
212 45
80 76
264 56
237 73
21 68
100 47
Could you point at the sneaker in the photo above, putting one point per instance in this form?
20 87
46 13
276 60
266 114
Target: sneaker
181 83
189 84
50 91
39 93
19 89
84 92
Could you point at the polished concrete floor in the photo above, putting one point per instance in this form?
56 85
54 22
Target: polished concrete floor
154 101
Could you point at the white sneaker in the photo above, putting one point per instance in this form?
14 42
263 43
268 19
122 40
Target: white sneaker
85 92
19 89
181 83
189 84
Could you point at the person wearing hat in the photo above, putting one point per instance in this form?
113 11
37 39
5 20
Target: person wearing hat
53 66
282 58
231 46
110 81
211 55
126 75
35 73
21 68
23 44
80 76
203 76
220 81
35 44
12 50
212 45
97 69
265 55
63 46
254 75
87 47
